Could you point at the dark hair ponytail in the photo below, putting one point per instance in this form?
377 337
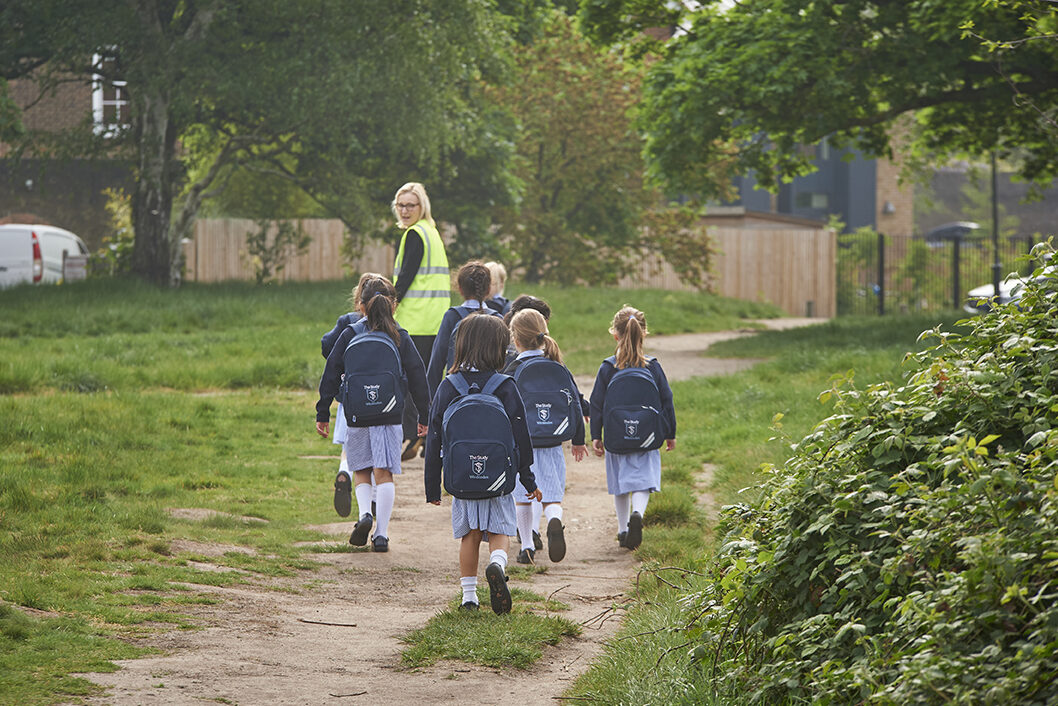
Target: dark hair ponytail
378 297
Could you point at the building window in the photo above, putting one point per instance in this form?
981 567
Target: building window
824 149
110 98
808 199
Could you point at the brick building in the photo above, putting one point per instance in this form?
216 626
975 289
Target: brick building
65 192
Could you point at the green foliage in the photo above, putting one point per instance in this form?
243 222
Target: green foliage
905 552
269 248
752 81
344 100
584 214
115 256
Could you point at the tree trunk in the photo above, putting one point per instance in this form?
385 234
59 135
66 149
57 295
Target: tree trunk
154 256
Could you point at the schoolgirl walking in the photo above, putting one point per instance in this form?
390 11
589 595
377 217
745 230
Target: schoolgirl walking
477 443
632 416
371 366
474 282
553 413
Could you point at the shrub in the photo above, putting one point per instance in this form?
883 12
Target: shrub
906 552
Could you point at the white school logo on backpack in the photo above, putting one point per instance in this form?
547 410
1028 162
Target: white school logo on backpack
632 427
372 392
477 464
543 412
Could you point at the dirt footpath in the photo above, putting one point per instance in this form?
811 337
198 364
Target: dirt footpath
335 638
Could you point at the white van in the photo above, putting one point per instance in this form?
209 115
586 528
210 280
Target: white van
35 253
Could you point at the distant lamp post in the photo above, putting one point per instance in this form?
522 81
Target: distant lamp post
996 265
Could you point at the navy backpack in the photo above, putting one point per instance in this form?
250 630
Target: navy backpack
631 412
478 456
552 407
374 385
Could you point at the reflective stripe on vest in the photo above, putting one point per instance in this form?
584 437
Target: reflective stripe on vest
422 308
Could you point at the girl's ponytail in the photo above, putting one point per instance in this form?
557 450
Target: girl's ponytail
529 329
630 328
379 298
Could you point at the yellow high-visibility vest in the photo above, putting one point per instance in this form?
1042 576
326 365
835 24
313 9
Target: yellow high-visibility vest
428 298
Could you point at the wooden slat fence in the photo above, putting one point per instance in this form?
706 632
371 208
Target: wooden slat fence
217 252
792 269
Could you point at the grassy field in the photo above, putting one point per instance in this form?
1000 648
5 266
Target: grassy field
730 423
121 402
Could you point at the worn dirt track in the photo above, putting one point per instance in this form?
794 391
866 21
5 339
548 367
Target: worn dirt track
260 645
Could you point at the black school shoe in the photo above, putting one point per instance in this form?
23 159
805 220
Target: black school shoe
469 607
622 539
343 494
526 556
380 544
538 543
635 531
360 530
499 594
556 540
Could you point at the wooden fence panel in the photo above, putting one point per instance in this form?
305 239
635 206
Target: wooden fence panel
792 269
217 252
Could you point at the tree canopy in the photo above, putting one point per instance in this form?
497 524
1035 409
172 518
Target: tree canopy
584 212
754 80
347 99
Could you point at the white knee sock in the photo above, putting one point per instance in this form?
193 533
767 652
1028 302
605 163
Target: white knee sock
639 501
538 511
343 467
363 498
524 517
552 511
387 492
499 557
620 503
469 584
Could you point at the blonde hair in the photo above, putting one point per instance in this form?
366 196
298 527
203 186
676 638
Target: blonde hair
499 276
529 330
630 327
413 187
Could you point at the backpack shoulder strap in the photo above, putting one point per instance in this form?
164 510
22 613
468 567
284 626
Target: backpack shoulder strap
493 382
612 360
459 383
359 327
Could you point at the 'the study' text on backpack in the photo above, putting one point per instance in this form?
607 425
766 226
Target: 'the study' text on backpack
552 407
374 385
478 456
632 420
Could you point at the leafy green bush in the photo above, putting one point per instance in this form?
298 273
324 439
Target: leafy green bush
906 552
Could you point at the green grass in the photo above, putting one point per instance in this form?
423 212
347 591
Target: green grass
119 401
481 637
729 422
99 336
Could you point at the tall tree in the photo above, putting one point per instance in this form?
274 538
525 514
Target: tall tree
755 79
338 96
584 211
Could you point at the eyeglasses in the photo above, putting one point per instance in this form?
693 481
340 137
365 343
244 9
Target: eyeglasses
407 206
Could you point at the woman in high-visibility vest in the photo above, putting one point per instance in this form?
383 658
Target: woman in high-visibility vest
423 285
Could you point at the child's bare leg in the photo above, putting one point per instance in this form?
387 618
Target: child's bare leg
468 553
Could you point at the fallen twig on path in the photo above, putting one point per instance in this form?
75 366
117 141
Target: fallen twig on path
342 696
324 622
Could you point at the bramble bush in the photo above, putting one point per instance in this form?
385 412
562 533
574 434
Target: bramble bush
907 551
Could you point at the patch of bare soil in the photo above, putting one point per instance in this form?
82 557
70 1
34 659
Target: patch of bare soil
334 635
